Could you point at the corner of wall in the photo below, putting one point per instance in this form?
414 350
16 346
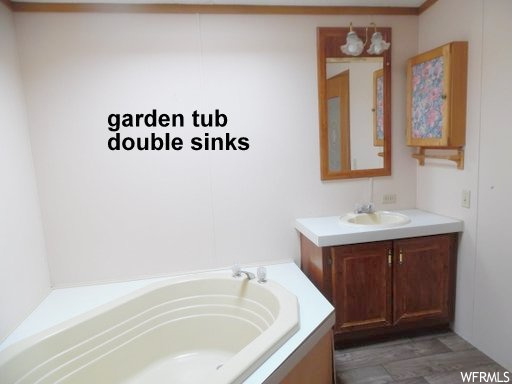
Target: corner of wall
24 277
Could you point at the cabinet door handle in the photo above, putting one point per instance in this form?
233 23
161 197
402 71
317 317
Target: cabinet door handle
390 257
400 257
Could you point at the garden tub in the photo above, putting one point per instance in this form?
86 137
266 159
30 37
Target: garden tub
188 330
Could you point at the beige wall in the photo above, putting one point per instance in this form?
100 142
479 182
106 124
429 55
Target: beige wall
493 283
484 288
24 277
439 186
113 216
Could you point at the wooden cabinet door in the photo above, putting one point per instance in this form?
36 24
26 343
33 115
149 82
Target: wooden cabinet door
428 82
361 278
423 281
436 97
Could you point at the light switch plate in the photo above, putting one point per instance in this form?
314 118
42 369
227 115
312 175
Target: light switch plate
466 199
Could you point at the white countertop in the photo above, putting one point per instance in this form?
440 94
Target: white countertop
316 314
329 230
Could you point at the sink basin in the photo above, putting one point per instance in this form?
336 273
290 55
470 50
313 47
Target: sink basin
378 219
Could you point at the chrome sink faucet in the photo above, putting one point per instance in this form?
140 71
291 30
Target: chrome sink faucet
364 208
237 272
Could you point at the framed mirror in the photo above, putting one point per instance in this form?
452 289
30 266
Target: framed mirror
354 100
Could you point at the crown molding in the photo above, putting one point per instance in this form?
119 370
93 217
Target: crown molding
426 5
7 3
214 8
209 9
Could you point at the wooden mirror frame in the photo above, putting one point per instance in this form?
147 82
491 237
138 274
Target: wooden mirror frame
329 41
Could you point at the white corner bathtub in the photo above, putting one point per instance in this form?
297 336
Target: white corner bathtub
186 330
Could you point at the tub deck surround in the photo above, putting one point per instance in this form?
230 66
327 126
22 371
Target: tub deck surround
239 330
329 231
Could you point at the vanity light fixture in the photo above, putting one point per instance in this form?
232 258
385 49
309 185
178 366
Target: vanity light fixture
378 44
354 45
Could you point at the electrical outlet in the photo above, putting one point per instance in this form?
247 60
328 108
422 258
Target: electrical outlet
389 198
466 199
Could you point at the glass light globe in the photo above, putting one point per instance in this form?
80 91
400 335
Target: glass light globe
378 45
354 45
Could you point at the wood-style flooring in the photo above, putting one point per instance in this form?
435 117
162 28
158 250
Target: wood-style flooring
434 359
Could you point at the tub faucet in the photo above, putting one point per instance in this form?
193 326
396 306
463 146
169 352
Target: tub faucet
237 272
364 208
262 274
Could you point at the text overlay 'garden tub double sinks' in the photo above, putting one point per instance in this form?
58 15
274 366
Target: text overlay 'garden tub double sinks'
379 219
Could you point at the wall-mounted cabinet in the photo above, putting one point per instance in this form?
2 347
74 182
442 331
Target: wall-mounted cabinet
436 100
386 286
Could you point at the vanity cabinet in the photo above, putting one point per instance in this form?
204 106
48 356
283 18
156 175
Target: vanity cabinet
385 287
